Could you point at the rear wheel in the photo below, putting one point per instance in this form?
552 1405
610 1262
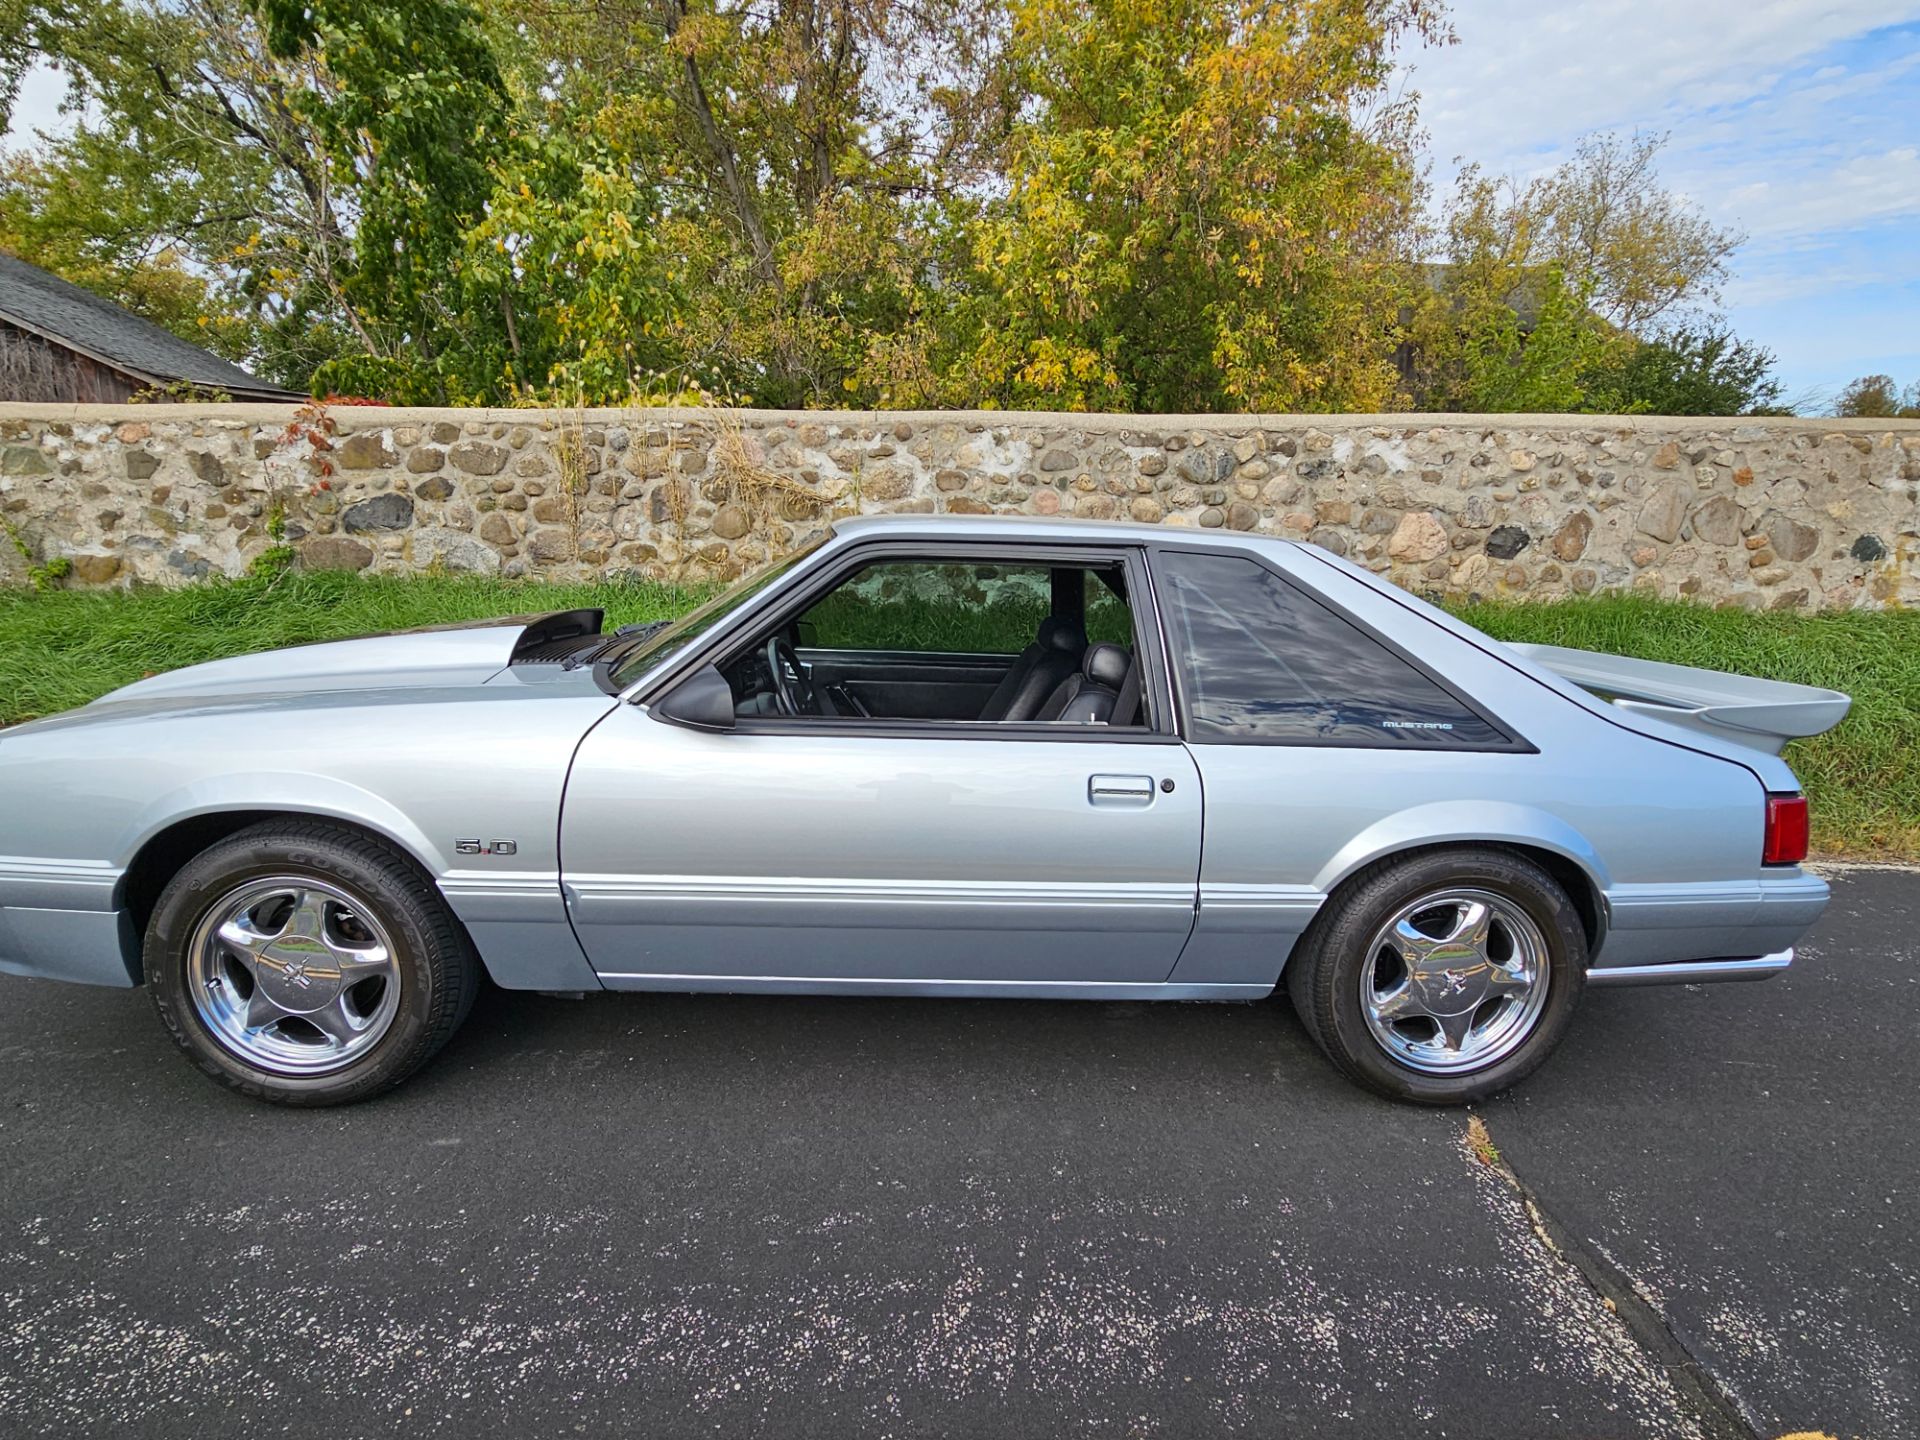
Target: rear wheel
1442 977
307 964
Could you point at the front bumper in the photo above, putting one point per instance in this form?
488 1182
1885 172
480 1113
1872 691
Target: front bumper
58 922
1694 972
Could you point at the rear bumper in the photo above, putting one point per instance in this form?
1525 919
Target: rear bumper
1694 972
1653 926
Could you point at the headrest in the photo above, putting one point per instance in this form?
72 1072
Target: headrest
1106 665
1058 634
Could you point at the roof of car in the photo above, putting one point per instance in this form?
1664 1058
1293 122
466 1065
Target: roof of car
1030 527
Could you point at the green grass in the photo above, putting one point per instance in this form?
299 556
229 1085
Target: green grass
64 648
1863 778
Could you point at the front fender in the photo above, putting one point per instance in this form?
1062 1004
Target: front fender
293 792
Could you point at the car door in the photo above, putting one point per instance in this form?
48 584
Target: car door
881 855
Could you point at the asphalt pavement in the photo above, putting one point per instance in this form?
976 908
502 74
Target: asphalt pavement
680 1215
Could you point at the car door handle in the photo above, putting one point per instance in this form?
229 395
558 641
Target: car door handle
1120 790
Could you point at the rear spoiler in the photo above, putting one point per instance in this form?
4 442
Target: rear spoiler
1764 714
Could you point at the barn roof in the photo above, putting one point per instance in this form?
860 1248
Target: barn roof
43 304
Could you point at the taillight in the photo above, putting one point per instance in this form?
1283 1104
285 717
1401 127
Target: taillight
1786 842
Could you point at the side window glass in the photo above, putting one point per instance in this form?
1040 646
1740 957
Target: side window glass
1109 621
932 607
1260 660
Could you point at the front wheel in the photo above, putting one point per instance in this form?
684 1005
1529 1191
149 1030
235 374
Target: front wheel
1442 977
303 963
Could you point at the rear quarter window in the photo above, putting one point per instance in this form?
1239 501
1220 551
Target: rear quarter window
1261 661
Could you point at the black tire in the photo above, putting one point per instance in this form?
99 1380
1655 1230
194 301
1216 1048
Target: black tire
437 972
1325 973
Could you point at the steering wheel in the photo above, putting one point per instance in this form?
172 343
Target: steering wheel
791 688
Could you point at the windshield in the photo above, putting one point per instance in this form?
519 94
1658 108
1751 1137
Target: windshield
651 650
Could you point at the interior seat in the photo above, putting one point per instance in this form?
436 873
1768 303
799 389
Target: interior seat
1053 658
1090 696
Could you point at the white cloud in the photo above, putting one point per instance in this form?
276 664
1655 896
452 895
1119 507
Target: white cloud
1527 79
1794 121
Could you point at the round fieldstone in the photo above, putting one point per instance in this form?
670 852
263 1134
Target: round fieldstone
476 457
1418 537
335 552
1569 542
732 522
364 450
1792 541
95 569
1718 522
382 512
1869 549
1329 540
1507 541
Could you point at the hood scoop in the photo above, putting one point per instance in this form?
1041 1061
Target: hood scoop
552 639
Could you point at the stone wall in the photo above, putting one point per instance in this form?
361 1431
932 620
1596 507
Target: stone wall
1762 513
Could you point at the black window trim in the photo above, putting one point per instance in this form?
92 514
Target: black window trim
791 601
1512 743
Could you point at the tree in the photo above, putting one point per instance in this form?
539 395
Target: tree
768 183
1543 370
51 214
1205 207
1875 397
186 141
414 110
1607 221
1698 368
1600 227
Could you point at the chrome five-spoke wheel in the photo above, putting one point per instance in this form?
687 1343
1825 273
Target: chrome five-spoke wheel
1455 981
1442 976
293 975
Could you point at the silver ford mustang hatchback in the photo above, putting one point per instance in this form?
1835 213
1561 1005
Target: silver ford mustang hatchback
920 757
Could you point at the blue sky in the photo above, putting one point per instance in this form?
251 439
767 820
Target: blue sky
1794 121
1797 123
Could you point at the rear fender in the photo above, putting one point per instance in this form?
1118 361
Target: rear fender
1466 822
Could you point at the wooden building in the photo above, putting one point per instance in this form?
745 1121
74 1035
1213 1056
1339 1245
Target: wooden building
61 344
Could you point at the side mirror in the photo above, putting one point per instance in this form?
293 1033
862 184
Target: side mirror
703 700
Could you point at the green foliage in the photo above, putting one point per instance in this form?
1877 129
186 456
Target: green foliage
416 111
186 143
1691 369
1161 205
1194 216
376 377
1875 397
62 212
1543 371
1542 289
